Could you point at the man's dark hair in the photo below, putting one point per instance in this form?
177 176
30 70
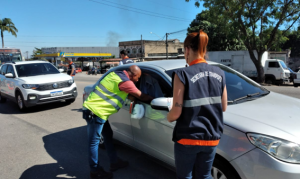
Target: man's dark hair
124 52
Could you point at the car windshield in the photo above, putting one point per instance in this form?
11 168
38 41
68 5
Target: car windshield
35 69
283 64
238 86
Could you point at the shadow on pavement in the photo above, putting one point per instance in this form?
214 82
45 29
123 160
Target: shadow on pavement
69 149
9 107
78 110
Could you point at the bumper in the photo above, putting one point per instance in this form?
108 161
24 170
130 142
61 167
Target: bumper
257 164
44 99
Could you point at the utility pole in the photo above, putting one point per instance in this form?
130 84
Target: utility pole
142 54
167 45
27 54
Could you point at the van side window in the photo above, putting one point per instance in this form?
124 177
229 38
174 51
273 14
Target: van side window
3 69
273 65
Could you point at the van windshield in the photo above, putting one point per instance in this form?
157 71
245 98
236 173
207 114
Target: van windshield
283 64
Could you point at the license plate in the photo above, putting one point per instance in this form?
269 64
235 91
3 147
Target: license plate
56 93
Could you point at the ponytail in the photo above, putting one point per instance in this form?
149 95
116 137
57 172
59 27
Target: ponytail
197 42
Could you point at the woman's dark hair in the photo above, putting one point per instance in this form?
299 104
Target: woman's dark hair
124 52
197 42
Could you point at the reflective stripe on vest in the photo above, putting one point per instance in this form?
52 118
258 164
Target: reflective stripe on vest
202 101
110 93
106 99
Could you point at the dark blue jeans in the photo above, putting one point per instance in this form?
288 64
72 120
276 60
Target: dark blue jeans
189 156
94 128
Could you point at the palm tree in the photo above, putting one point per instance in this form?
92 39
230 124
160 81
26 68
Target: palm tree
7 25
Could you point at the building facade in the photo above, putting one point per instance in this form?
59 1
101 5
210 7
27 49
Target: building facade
58 54
150 50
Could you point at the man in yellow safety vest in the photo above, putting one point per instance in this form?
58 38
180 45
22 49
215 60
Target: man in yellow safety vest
106 99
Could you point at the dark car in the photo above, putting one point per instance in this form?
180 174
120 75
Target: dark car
293 75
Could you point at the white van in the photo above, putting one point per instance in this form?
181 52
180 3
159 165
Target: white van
275 70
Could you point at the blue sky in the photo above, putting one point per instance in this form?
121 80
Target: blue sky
84 23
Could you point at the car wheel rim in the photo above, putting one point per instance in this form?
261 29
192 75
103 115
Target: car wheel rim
217 174
20 102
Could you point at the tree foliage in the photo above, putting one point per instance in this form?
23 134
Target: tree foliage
6 24
261 23
293 43
222 35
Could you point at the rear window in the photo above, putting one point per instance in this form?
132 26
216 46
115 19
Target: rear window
35 69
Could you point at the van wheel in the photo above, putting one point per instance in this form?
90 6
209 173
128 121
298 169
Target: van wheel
295 85
20 102
269 81
2 99
223 170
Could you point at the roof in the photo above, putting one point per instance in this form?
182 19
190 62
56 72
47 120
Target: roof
27 62
168 64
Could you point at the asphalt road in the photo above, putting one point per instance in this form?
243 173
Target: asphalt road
288 90
50 141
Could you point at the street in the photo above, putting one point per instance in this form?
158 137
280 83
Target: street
50 141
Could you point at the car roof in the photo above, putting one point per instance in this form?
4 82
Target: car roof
27 62
167 64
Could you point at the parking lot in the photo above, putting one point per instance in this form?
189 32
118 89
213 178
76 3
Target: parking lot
49 141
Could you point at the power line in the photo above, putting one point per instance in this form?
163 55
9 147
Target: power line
144 10
154 2
160 16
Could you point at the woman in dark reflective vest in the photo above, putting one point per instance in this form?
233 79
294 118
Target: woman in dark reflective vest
199 100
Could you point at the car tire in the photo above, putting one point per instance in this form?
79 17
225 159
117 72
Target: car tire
2 99
295 85
20 102
70 101
222 169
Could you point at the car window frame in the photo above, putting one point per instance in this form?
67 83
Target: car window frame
2 67
14 73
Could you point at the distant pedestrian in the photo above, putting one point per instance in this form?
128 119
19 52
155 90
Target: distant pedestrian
125 58
71 67
199 100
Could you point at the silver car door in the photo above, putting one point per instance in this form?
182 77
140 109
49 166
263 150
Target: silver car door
153 133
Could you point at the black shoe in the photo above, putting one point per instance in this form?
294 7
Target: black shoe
118 165
101 174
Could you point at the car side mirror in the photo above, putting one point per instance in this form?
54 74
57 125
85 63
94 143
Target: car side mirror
9 75
161 103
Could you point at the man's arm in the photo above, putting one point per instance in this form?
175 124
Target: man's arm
132 90
141 96
63 65
120 63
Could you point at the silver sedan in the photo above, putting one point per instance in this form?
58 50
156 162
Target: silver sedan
261 137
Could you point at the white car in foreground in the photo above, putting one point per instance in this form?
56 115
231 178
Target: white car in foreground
34 83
